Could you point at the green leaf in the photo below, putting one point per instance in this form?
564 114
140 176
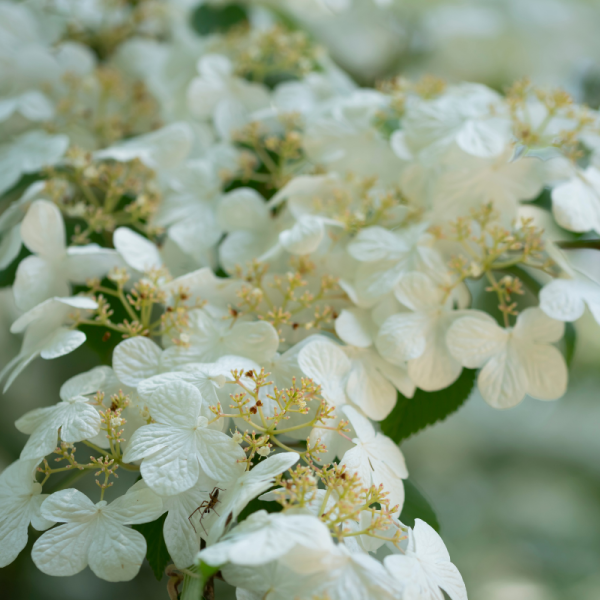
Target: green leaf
157 554
7 276
426 408
416 506
207 19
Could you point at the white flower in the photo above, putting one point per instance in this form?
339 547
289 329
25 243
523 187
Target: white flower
515 361
576 203
163 149
564 299
179 444
425 568
387 256
469 115
10 223
418 338
469 182
95 534
137 251
375 458
136 359
264 537
221 96
46 332
73 417
346 141
372 381
20 500
29 153
53 266
211 338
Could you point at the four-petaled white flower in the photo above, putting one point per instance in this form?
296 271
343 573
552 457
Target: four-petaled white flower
95 534
424 570
20 500
73 417
376 459
516 361
179 444
53 266
418 338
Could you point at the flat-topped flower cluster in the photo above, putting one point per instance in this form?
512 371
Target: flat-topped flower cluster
266 257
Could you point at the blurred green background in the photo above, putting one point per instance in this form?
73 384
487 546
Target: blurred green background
517 492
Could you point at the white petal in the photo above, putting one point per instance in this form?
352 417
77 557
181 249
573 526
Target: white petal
64 550
62 342
576 203
68 505
138 506
533 324
85 383
482 138
376 243
563 299
304 237
137 251
370 390
546 370
219 455
402 337
148 440
117 552
258 341
174 468
43 230
327 365
503 380
177 404
37 280
243 208
79 422
418 292
87 262
355 327
473 340
136 359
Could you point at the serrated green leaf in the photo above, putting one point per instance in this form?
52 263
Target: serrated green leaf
207 19
426 408
416 506
157 554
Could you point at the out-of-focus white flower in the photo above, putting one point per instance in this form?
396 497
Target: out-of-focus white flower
219 95
53 266
46 332
515 361
418 338
576 203
425 568
20 500
29 153
95 534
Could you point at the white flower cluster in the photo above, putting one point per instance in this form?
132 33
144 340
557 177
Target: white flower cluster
268 257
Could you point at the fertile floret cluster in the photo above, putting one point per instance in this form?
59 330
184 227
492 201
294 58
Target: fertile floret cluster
278 270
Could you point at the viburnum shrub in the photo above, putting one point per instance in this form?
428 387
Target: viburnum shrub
284 276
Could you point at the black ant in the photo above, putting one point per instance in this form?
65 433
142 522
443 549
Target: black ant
207 506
